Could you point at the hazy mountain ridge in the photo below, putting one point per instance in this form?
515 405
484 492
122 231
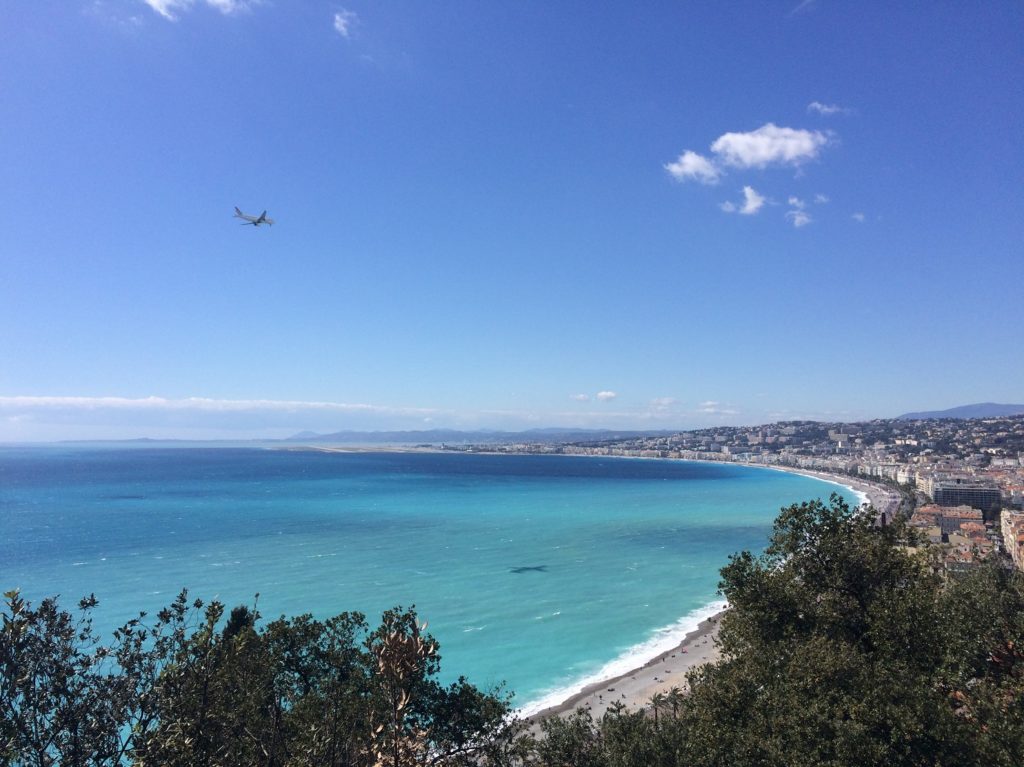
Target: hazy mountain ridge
980 410
455 436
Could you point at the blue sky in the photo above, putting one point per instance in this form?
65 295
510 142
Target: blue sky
505 215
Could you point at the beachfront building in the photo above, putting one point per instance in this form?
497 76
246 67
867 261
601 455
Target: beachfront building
1012 527
966 492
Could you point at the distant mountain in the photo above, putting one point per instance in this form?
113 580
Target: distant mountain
981 410
455 437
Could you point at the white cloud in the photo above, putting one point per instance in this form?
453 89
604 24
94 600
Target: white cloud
228 6
344 21
799 217
662 403
859 217
113 15
580 397
168 8
691 165
713 407
48 417
769 145
820 199
827 109
203 404
605 396
752 201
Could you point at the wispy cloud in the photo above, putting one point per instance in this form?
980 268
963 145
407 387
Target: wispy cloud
344 22
713 407
32 418
858 217
691 165
798 213
114 15
799 217
203 404
820 199
827 110
74 417
170 8
580 397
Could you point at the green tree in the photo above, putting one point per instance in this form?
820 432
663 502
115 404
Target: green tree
195 688
838 650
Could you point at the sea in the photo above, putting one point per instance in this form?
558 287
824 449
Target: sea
541 573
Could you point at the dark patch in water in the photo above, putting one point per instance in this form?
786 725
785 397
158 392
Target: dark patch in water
534 569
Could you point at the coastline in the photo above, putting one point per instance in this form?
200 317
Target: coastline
635 687
881 497
665 669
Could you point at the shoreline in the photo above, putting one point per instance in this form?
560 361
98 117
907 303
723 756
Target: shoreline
635 687
881 497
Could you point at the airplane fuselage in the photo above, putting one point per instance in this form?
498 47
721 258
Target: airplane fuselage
254 220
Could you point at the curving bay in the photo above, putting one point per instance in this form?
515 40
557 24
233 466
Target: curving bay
542 571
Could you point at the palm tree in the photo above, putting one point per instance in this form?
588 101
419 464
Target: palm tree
657 701
674 698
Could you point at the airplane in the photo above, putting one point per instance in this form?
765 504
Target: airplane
254 220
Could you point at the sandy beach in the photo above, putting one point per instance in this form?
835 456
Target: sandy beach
635 688
881 497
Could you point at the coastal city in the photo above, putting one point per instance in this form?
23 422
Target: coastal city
960 481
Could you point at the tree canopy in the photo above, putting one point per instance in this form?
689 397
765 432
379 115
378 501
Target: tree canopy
190 688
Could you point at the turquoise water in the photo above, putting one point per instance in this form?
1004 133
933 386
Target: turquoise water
539 571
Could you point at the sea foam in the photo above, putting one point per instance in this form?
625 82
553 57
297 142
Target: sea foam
661 640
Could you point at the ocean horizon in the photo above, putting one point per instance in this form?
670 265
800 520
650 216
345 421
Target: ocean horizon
542 573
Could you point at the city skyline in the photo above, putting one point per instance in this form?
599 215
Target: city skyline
494 217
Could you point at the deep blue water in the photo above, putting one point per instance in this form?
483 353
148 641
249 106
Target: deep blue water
533 570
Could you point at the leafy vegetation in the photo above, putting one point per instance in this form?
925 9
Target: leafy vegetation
190 688
843 646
